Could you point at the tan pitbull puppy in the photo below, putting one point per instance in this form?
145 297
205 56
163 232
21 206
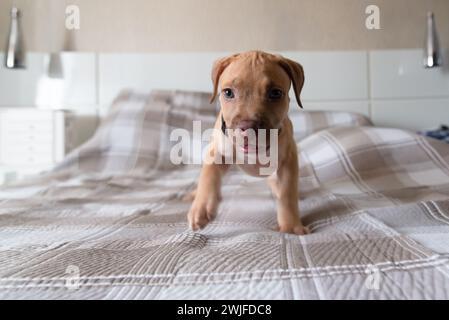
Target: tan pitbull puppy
253 95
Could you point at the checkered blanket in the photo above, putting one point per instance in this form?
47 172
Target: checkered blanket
110 223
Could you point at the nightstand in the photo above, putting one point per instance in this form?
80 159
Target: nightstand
32 141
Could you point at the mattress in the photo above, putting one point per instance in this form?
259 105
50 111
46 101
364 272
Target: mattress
109 222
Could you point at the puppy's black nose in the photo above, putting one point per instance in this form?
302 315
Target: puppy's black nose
249 124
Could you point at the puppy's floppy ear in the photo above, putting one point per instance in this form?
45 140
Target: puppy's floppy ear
217 70
296 74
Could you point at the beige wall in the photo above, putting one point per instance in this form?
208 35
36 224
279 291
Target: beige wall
231 25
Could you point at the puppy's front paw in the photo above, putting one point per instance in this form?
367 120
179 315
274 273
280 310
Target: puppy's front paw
190 196
201 213
296 228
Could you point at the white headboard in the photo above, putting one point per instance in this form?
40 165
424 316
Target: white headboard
391 87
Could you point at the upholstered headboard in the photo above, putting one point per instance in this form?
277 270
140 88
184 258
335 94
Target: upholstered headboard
389 86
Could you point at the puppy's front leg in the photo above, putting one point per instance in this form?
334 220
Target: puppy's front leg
207 196
285 187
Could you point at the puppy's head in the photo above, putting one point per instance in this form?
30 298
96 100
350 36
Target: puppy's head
253 89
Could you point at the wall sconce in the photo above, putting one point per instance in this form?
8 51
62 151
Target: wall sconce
15 50
432 54
55 69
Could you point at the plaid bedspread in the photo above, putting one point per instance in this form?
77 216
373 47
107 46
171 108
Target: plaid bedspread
110 223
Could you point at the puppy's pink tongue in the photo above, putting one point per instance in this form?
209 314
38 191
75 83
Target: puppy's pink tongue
249 143
246 148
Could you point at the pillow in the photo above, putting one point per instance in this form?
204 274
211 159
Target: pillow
135 135
308 122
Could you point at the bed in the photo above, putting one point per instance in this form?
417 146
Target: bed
109 222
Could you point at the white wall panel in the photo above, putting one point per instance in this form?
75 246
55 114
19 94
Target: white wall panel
411 114
333 75
401 74
390 85
32 86
144 72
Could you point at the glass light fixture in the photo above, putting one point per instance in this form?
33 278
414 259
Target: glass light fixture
15 50
432 53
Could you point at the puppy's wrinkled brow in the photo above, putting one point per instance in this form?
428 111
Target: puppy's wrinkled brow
236 82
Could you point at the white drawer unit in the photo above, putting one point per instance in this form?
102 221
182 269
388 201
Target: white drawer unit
32 140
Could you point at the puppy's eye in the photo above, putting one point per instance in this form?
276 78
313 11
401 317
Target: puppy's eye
275 94
228 93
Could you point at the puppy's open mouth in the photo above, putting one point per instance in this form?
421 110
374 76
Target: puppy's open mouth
253 145
249 140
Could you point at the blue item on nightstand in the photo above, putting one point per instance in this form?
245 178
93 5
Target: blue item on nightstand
441 134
